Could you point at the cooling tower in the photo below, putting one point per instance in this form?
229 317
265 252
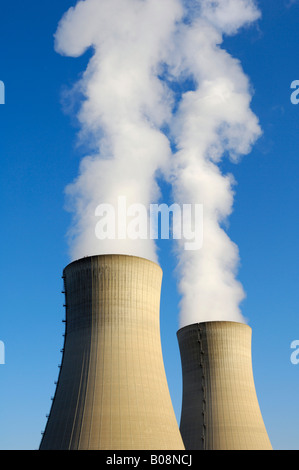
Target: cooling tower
112 392
220 410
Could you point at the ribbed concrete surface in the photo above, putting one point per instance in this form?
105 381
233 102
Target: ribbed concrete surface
220 409
112 391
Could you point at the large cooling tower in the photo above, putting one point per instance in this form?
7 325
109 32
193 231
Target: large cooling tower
220 410
112 391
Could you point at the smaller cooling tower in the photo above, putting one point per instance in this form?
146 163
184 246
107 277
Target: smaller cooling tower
220 410
112 392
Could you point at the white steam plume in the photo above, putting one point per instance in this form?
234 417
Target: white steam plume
125 105
144 52
213 119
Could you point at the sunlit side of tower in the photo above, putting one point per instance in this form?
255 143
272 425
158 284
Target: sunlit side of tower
112 391
220 409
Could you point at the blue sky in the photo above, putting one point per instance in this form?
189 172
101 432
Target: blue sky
39 157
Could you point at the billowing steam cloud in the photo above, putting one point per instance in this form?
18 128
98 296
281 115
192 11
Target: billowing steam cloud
125 105
162 97
212 119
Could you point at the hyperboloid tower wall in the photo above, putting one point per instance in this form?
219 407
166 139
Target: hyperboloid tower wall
112 391
220 409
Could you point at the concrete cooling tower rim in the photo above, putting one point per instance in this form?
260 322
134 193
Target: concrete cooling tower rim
223 322
108 255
